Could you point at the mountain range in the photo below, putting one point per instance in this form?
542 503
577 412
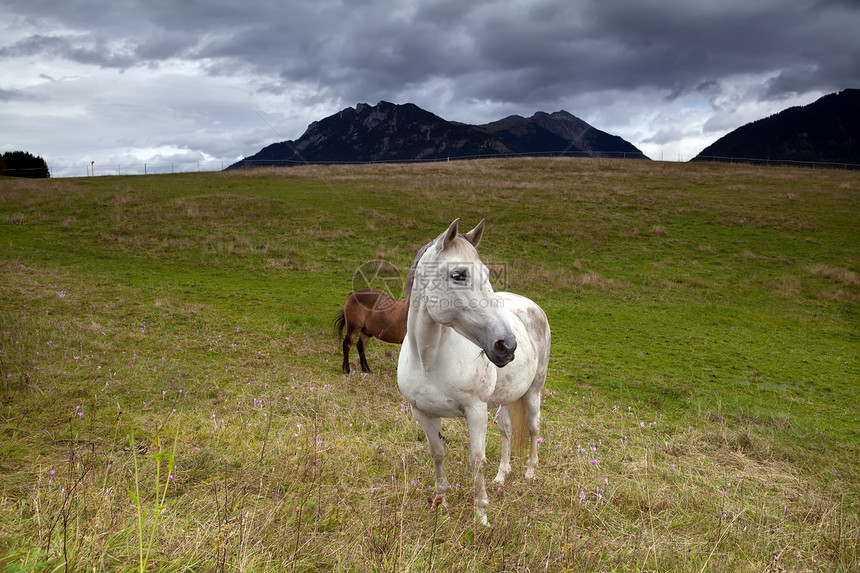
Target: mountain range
405 132
827 130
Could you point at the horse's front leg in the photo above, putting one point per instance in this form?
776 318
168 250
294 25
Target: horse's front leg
347 343
476 417
433 430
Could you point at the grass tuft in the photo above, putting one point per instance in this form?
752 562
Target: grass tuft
840 276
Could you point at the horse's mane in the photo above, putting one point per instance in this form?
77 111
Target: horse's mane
410 278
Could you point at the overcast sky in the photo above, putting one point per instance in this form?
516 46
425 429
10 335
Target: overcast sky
130 82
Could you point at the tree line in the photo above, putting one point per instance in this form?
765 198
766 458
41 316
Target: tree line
23 164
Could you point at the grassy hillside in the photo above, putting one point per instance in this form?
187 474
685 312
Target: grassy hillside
171 395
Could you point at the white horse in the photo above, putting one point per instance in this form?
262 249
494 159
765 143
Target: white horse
457 359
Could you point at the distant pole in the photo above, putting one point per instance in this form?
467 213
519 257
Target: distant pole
144 168
93 168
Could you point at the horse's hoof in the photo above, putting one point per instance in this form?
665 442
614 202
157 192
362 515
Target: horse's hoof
437 501
530 474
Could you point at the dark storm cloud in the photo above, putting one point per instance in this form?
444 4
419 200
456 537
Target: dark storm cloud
516 51
12 95
651 70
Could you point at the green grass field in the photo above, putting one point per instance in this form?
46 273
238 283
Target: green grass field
171 396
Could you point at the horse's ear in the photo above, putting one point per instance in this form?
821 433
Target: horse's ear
450 234
474 236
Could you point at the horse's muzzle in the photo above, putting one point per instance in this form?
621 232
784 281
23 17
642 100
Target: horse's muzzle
503 351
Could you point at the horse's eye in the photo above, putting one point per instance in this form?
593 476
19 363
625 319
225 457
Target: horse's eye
460 275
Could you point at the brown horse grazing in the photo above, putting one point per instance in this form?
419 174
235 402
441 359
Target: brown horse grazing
368 313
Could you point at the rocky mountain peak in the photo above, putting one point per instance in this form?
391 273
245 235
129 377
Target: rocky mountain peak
405 132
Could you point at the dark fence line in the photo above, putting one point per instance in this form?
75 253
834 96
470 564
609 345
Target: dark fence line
777 162
250 163
153 168
97 169
100 169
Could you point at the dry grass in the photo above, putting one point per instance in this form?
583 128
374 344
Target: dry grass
327 483
522 275
14 219
837 275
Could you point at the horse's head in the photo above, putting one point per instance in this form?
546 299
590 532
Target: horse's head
454 286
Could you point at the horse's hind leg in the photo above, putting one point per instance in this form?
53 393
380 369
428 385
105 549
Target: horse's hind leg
347 343
503 422
532 402
362 341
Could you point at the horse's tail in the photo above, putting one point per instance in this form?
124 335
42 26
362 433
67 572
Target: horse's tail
339 324
519 427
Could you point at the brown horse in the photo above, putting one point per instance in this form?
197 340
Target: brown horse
368 313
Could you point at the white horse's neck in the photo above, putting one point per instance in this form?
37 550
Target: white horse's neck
424 335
